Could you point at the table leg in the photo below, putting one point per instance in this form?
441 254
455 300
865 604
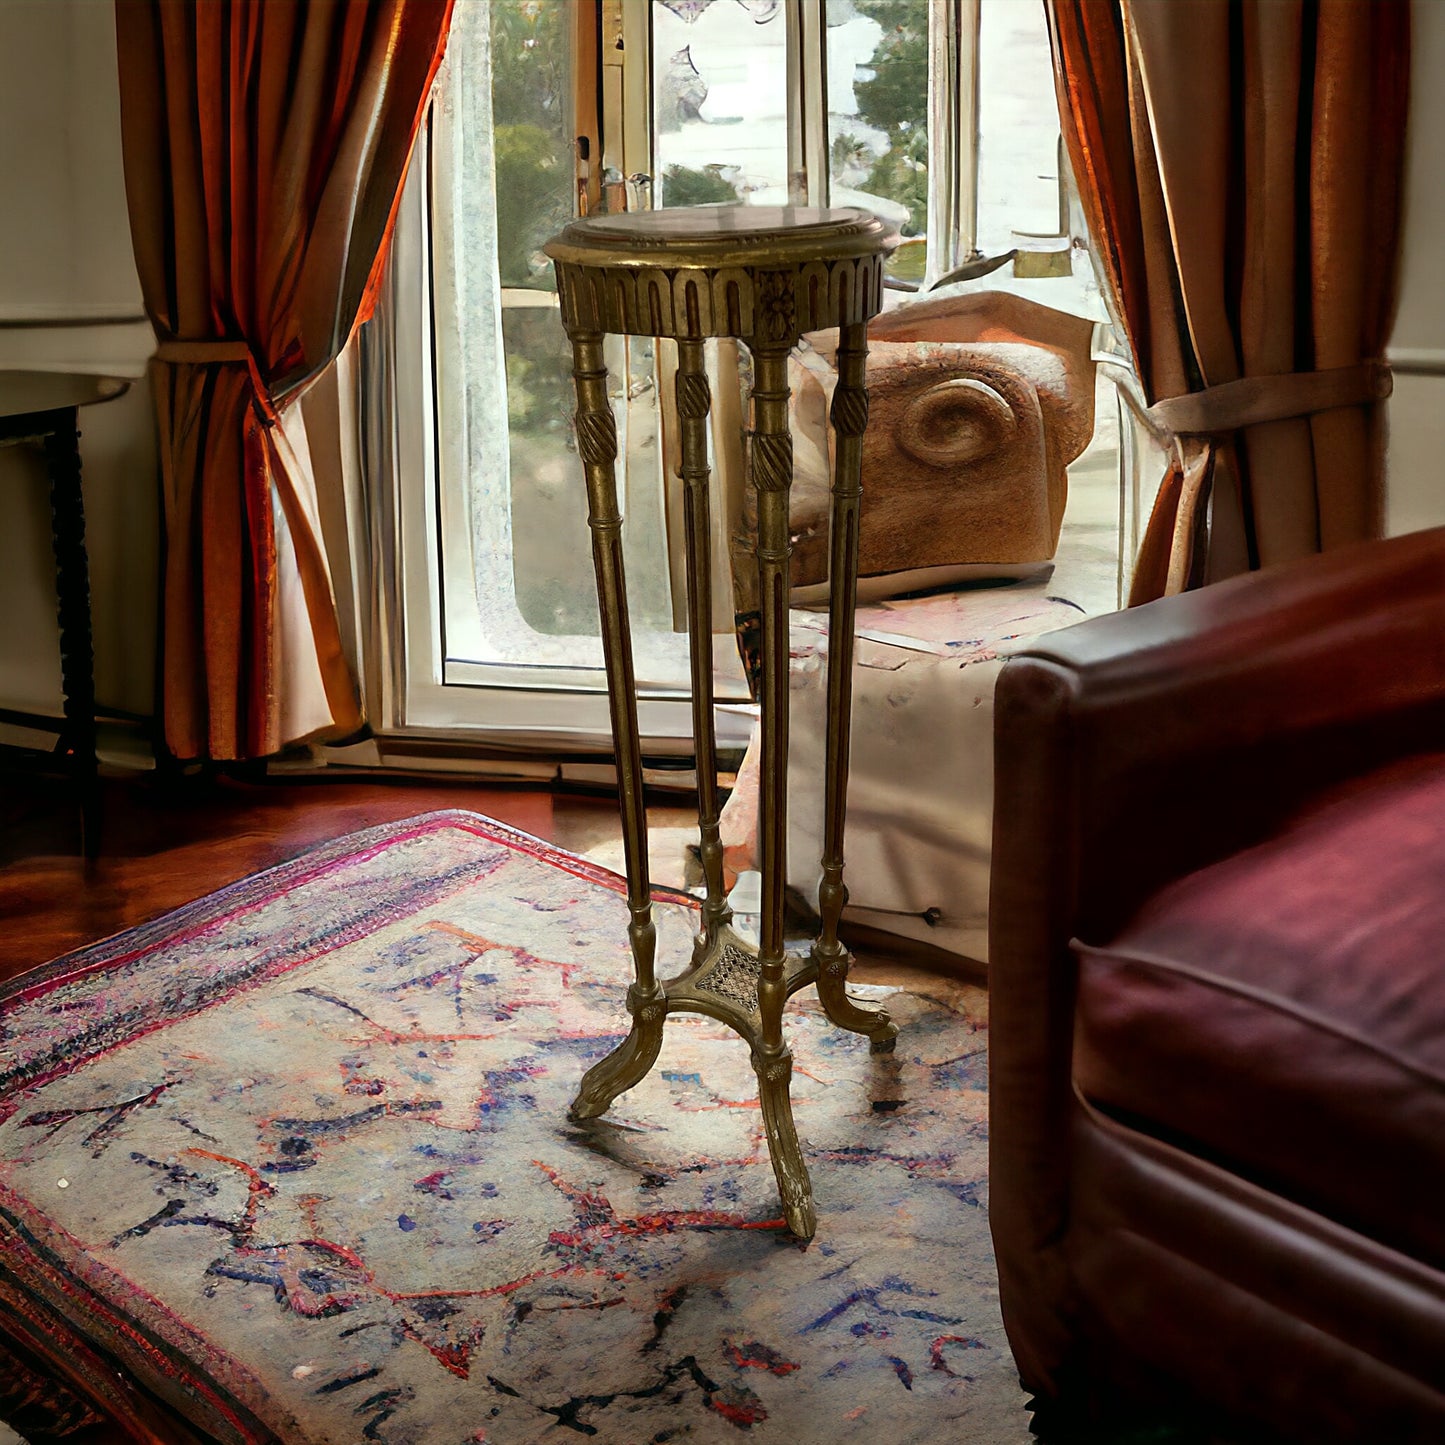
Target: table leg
77 659
772 471
646 1001
850 420
693 402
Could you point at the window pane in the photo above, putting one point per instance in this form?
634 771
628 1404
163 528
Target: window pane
549 515
1018 121
518 586
720 94
878 116
531 130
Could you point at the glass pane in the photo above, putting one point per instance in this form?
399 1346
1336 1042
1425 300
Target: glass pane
878 117
518 582
549 515
720 97
531 130
1018 121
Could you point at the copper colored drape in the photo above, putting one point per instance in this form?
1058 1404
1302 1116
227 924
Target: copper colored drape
265 145
1240 166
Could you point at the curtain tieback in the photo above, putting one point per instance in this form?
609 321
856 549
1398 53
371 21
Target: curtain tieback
1252 400
216 350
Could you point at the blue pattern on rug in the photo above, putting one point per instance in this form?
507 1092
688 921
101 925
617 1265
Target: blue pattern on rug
303 1150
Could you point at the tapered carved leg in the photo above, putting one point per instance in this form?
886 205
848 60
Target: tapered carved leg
629 1062
772 474
597 441
775 1074
693 401
850 419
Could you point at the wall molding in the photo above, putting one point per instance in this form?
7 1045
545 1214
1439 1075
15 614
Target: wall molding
47 315
1416 360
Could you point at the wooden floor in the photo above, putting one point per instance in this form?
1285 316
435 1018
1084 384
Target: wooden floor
166 842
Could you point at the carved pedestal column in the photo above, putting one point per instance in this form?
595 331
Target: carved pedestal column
763 275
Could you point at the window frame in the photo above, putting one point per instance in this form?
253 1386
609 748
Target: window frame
424 691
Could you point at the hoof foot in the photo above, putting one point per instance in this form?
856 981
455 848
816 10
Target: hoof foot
802 1220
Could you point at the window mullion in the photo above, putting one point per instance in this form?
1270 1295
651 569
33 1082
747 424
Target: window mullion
807 103
952 136
627 99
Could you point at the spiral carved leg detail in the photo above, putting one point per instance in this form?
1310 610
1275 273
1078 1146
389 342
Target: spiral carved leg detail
775 1074
629 1062
857 1018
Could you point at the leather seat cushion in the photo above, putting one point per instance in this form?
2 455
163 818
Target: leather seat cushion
1283 1011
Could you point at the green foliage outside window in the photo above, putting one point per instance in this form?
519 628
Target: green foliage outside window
686 186
531 69
895 100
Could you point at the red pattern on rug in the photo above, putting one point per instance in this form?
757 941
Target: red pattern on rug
297 1158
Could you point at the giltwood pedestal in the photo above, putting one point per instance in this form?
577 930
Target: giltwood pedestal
763 275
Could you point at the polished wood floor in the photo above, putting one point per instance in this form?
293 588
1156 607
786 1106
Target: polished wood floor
165 842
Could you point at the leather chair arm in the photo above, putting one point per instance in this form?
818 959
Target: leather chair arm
1134 748
1187 728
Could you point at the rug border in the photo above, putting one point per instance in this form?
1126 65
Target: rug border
106 952
193 1364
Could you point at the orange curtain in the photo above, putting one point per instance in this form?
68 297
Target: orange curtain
1240 166
265 146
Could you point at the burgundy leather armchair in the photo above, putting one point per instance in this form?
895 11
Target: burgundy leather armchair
1217 968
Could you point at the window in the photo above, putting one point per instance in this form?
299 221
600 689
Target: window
677 102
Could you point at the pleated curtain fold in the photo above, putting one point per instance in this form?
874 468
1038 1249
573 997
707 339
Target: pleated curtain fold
1240 166
265 146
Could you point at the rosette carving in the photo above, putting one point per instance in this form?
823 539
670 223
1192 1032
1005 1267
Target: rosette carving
776 316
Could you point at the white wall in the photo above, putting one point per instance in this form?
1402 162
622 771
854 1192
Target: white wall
66 265
1415 487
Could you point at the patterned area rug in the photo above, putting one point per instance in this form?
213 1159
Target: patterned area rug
298 1157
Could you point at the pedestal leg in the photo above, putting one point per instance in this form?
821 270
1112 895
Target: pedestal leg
850 419
775 1076
693 401
597 442
77 660
772 469
628 1063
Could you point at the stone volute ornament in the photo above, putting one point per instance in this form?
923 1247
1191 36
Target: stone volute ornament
763 275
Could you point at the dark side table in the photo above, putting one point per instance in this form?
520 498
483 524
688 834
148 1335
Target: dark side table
42 408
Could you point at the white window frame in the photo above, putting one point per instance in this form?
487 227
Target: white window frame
423 691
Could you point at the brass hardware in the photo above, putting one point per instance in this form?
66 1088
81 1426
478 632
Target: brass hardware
612 46
762 275
974 268
582 150
931 916
1056 259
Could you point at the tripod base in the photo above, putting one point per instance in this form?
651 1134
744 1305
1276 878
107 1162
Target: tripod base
723 984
